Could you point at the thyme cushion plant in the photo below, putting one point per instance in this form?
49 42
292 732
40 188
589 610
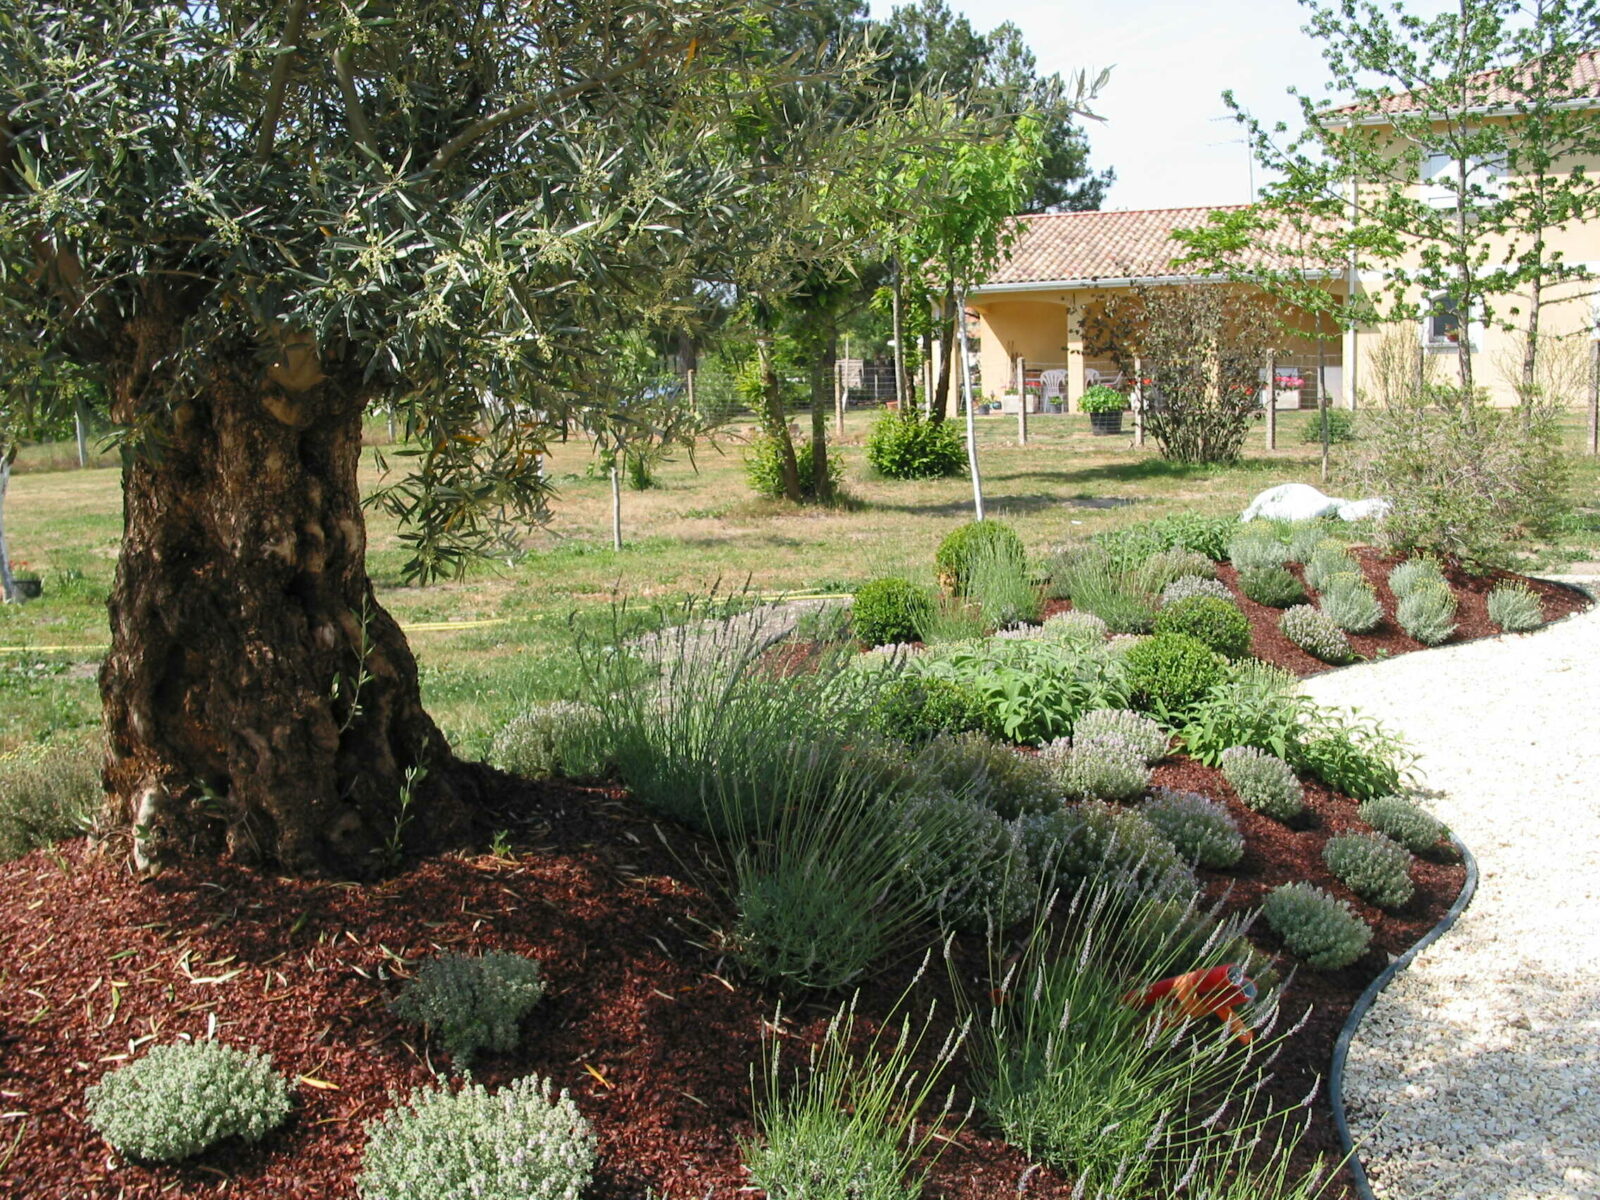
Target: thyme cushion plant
1317 927
472 1002
1201 829
1404 821
1316 633
1372 866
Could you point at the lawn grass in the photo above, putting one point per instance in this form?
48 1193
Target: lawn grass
700 527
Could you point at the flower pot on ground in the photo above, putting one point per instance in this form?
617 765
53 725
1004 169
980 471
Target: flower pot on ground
1105 406
28 587
1102 423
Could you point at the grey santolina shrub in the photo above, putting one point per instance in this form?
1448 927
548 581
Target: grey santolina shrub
1201 829
520 1143
182 1098
1315 926
1350 603
1403 821
1316 634
1515 608
1372 866
1273 586
1264 782
472 1002
1329 559
1408 576
1428 613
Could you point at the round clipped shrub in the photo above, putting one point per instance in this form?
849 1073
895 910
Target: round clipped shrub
1075 625
906 446
763 467
1515 608
558 737
472 1002
1186 586
1136 729
1171 671
887 612
1316 634
1316 926
1202 830
1349 602
1111 845
915 708
996 776
520 1143
1273 586
1217 623
1264 782
1372 866
1428 613
953 559
1405 822
185 1097
976 873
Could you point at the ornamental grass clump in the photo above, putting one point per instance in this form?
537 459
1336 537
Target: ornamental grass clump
1096 582
523 1142
1136 729
1372 866
1428 613
1405 822
1315 926
1104 844
996 776
1273 586
976 875
890 611
1201 829
1316 634
1264 782
558 737
997 585
1349 602
182 1098
472 1002
1515 608
1218 623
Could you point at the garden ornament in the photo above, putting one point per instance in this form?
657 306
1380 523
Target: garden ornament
1208 992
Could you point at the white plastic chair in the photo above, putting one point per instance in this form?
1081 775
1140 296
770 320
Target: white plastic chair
1052 387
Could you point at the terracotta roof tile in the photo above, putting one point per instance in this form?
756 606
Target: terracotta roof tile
1492 90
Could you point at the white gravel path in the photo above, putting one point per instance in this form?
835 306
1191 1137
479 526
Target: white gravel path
1476 1076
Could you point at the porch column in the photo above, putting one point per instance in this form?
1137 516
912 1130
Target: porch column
1075 360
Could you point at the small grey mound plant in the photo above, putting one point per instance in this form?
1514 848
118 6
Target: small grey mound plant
1264 782
183 1098
1076 625
1428 613
1272 586
1306 538
976 874
1139 731
997 776
1254 551
558 737
520 1143
1177 563
1317 927
1329 559
1201 829
1104 768
1515 608
1350 603
1405 822
1110 845
1407 577
1189 586
1372 866
1316 634
473 1002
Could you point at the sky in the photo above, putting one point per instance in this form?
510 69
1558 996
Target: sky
1167 132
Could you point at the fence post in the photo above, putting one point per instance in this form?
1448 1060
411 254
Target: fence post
694 404
1022 401
616 508
1272 402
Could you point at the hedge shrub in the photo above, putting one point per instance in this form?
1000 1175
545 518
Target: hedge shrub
907 446
887 612
1217 623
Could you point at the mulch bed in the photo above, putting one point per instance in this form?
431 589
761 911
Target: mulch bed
646 1021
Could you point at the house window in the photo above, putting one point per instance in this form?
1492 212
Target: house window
1442 327
1440 180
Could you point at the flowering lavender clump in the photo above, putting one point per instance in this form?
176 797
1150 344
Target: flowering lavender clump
1106 767
1139 731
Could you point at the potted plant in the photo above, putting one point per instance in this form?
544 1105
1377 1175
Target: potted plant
1105 406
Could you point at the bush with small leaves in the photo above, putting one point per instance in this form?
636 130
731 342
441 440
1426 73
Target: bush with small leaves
473 1002
1272 586
523 1142
995 776
1406 577
1106 767
1170 672
1326 561
1115 846
558 737
1405 822
1515 608
1189 586
1166 566
1428 613
1217 623
888 611
908 446
1316 634
953 561
975 874
1201 829
1075 625
184 1097
1374 867
1350 603
1264 782
48 791
1139 731
1320 928
915 708
1254 551
1306 538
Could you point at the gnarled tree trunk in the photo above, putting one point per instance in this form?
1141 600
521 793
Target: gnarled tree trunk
256 694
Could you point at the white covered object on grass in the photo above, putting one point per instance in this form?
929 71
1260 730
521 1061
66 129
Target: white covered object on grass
1302 502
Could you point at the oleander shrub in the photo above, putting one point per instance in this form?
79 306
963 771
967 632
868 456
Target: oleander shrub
1171 672
1254 550
1264 782
763 467
976 875
1316 927
1371 865
1515 608
1348 601
890 611
905 445
1340 423
472 1002
1188 586
996 776
1408 576
48 791
1273 586
1201 830
1327 560
952 562
1398 818
178 1100
1139 731
1218 623
1075 625
1428 613
1098 842
557 737
523 1142
914 708
1106 767
1316 633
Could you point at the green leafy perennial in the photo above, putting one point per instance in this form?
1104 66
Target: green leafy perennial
472 1002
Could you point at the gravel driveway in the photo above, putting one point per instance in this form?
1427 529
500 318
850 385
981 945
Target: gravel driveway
1476 1076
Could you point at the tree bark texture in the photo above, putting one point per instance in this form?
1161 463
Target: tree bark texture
257 697
947 342
823 372
777 423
